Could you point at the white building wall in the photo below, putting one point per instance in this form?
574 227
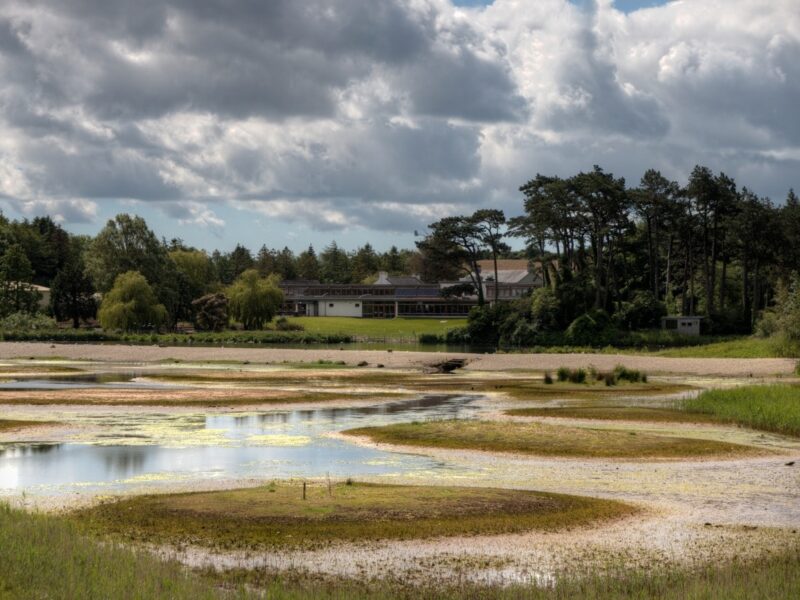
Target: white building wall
340 308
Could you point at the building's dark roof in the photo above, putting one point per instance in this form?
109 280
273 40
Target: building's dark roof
403 280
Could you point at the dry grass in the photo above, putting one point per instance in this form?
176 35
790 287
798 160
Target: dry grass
615 413
8 425
278 516
548 440
214 397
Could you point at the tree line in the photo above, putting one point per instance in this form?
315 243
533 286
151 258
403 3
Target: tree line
708 247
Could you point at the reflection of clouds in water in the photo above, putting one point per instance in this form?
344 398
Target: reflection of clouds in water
9 476
121 449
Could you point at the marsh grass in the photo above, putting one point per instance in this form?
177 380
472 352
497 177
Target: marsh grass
46 556
547 440
745 347
11 425
278 516
613 413
773 408
519 388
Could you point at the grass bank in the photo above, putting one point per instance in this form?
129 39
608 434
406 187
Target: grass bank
48 557
612 413
278 516
547 440
45 556
768 407
744 347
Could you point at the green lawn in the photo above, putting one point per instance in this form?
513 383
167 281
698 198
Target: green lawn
377 328
541 439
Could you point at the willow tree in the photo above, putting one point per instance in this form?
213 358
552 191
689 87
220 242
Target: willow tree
254 300
131 305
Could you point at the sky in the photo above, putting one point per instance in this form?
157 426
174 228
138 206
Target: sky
292 123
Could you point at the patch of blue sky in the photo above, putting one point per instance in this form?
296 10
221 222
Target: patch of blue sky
627 6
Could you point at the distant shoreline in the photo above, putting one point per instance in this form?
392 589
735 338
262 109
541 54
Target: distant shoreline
729 367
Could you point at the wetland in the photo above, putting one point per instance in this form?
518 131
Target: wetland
485 478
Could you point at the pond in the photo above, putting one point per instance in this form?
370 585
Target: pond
126 450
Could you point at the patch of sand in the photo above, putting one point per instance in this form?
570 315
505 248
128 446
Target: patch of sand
403 359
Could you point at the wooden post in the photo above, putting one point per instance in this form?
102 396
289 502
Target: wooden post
304 490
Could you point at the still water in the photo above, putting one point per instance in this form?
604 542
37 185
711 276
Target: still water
128 450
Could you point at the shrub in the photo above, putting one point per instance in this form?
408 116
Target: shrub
563 374
642 312
577 376
211 312
431 338
23 321
545 309
283 324
548 379
591 329
622 373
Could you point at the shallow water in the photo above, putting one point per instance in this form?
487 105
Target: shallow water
135 449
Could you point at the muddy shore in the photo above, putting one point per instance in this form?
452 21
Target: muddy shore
730 367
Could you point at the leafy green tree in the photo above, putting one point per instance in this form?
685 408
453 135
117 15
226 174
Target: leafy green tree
457 243
131 305
211 312
196 266
490 223
308 265
125 244
16 292
72 292
254 300
545 309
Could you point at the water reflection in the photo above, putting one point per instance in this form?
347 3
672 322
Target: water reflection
78 381
157 448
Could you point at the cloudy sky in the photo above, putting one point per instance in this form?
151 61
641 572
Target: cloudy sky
292 122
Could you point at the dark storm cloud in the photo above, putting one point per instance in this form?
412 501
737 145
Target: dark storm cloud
381 113
275 59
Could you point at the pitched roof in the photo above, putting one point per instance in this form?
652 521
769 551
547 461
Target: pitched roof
504 264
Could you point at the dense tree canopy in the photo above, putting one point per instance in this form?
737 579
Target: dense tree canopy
707 247
254 300
131 305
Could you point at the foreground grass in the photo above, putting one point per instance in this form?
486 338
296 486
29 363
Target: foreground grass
278 516
44 556
546 440
768 407
47 557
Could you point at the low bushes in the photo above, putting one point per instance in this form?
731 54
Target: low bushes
592 375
